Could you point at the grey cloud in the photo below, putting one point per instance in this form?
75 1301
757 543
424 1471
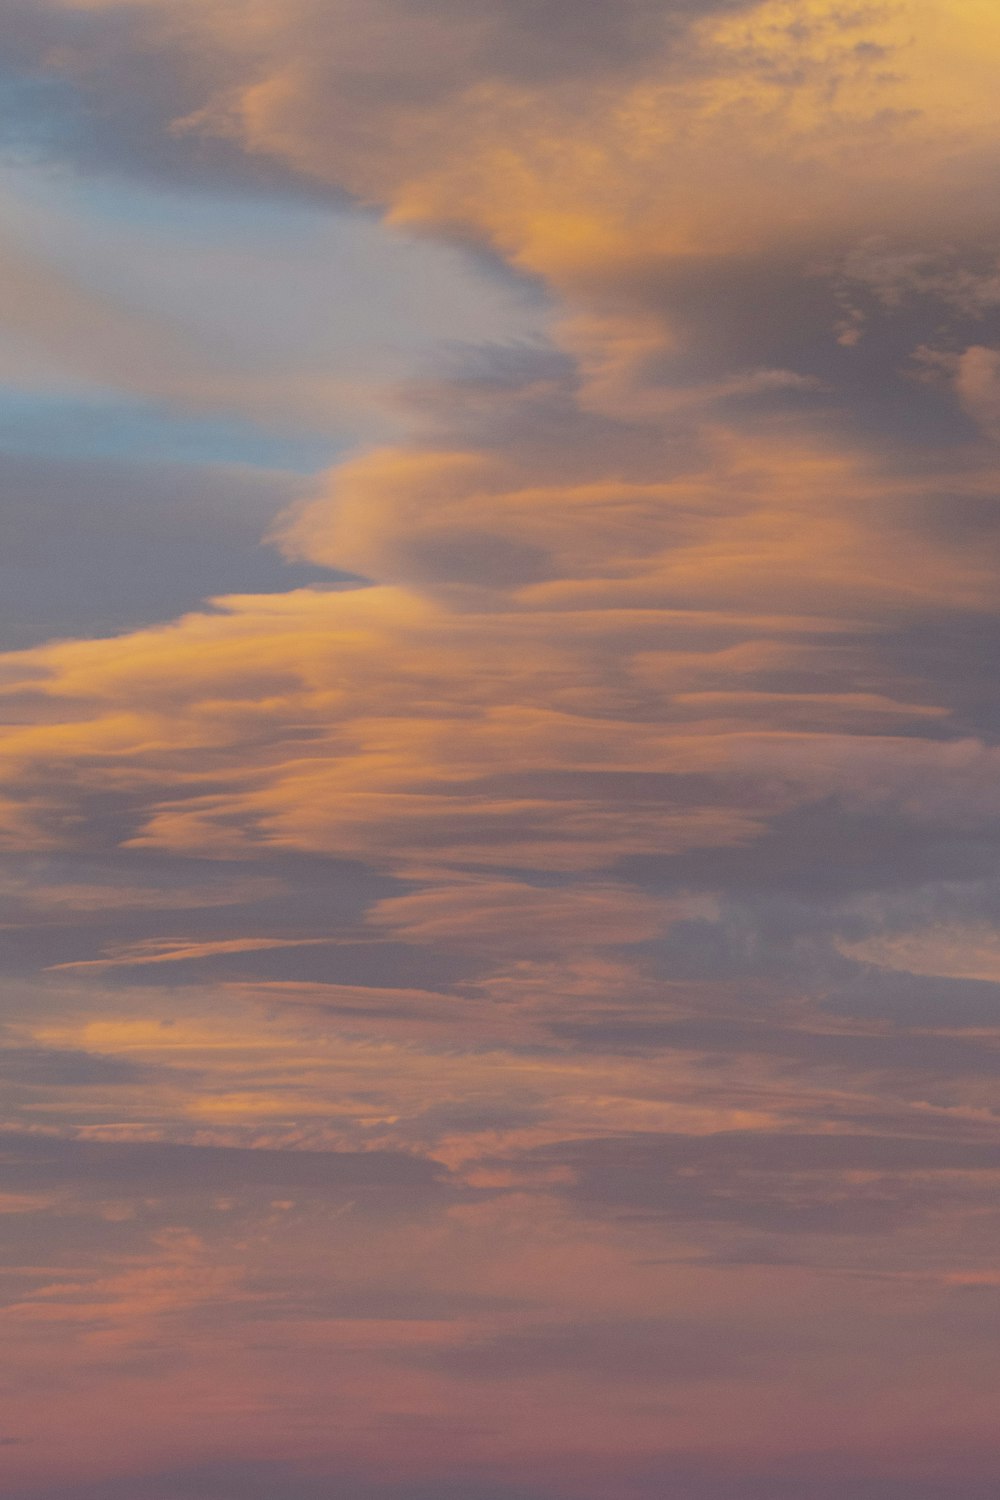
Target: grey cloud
759 1151
121 95
523 399
824 849
92 92
370 1303
810 1475
263 1480
68 888
958 653
535 40
897 273
388 965
787 1184
777 943
36 1163
37 1246
730 315
483 1114
93 547
656 1351
477 557
44 1067
931 1055
65 908
914 999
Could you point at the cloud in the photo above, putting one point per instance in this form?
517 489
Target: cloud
165 951
482 913
274 1480
819 1475
48 1067
650 1352
123 1166
789 1185
100 546
548 956
951 953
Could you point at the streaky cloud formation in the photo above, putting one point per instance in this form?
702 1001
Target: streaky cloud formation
501 798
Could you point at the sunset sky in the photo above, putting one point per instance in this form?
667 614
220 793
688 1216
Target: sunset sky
500 800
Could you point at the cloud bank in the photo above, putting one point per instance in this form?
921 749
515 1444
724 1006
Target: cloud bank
524 985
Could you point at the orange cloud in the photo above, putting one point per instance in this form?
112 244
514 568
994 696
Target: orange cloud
160 951
659 663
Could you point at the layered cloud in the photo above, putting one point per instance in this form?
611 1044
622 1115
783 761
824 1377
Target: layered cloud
478 1015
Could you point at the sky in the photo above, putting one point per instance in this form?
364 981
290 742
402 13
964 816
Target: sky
500 799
